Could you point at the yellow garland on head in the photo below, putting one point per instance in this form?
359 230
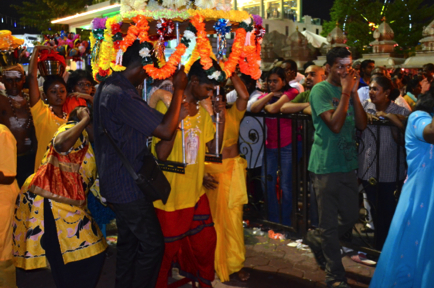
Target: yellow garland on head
108 37
105 53
211 14
106 56
94 63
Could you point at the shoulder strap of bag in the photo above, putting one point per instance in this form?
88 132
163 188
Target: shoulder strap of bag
121 155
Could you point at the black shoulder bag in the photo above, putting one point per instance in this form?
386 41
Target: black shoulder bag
150 179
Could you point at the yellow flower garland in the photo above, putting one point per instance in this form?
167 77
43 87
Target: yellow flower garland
209 14
212 14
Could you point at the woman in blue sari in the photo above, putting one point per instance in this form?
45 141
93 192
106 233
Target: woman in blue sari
407 259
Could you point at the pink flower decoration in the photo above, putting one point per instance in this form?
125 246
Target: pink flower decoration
257 19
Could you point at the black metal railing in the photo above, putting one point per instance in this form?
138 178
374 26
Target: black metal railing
302 133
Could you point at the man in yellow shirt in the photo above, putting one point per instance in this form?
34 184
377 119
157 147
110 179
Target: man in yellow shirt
186 222
8 193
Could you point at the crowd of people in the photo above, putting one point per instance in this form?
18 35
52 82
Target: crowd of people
62 181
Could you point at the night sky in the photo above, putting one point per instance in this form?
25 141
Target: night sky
317 8
314 8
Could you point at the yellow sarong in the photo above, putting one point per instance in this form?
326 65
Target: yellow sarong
8 195
226 203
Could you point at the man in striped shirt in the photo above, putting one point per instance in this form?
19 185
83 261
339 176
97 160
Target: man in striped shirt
130 121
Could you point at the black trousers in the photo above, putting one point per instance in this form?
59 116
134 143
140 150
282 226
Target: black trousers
382 199
338 210
25 167
140 246
84 273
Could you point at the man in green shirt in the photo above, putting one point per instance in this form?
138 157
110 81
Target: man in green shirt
314 75
336 113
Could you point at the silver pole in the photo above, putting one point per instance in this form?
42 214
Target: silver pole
145 93
177 40
182 121
183 142
217 120
217 117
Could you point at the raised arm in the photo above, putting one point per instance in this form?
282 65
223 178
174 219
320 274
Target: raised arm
171 119
66 139
33 75
243 94
335 118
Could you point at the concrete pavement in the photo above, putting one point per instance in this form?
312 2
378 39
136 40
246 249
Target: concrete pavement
271 263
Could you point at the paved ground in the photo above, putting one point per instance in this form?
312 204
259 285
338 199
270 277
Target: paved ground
271 263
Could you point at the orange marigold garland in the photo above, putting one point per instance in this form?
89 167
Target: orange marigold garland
171 65
140 31
250 61
202 41
237 49
204 50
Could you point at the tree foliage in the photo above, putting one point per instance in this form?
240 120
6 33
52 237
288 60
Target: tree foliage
39 13
405 17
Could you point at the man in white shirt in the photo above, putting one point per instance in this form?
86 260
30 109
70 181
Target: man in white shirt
300 78
290 68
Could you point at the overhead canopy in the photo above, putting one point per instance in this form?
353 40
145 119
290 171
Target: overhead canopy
82 20
314 39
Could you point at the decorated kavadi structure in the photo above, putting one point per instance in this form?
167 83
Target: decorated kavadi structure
153 23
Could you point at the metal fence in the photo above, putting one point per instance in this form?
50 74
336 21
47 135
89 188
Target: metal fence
252 146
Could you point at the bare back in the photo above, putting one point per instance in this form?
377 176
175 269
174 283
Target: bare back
15 114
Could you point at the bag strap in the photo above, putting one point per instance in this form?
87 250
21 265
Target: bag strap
121 155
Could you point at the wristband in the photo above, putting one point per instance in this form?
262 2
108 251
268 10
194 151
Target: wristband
345 94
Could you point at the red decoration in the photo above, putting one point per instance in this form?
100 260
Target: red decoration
116 28
51 55
103 73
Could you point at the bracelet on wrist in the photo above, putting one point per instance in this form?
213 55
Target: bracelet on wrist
345 94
